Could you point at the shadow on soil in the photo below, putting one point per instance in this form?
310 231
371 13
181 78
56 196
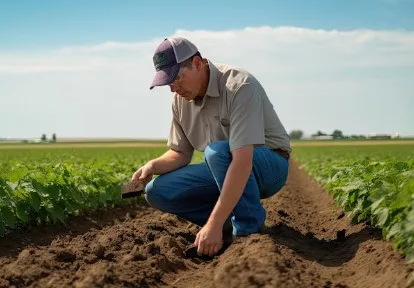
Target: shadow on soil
332 253
15 241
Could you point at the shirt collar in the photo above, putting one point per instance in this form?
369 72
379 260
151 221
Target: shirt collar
212 88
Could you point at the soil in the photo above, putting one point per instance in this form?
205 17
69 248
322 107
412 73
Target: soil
307 242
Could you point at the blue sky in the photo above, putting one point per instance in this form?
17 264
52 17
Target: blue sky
37 24
87 65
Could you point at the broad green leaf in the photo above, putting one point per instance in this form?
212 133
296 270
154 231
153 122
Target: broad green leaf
17 174
8 216
51 212
409 224
22 211
400 166
377 203
35 201
382 214
393 230
59 213
53 191
2 227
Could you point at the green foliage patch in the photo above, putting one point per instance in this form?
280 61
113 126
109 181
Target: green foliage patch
370 183
47 185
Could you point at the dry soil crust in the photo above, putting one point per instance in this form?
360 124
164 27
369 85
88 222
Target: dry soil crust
307 243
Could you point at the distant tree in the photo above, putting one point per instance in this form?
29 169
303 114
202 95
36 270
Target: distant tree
337 134
44 138
296 134
54 137
319 133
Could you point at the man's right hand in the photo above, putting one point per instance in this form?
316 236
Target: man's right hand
144 173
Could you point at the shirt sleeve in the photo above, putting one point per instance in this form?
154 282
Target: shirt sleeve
246 118
177 140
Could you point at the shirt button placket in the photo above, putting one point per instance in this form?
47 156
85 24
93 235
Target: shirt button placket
206 125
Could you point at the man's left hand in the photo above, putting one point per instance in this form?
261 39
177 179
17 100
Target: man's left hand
209 240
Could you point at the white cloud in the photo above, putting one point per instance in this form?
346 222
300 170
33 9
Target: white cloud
305 48
317 79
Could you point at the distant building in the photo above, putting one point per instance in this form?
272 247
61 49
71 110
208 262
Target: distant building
378 136
322 137
395 136
34 140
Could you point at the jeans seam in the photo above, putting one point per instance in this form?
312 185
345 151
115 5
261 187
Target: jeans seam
249 211
282 176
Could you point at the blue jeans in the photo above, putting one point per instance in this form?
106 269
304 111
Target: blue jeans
192 191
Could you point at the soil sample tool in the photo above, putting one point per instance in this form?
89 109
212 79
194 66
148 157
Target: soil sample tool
132 188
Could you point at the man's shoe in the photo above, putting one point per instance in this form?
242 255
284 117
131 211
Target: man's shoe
227 228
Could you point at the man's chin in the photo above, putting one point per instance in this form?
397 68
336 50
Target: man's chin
187 97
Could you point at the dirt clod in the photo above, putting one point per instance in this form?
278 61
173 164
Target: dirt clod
65 256
99 251
340 235
282 213
133 188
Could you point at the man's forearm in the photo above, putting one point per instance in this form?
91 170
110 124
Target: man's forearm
169 161
234 184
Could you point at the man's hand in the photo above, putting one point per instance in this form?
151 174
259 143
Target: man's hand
144 173
209 240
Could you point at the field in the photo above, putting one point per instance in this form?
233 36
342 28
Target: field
344 219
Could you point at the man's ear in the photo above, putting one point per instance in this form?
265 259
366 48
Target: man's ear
197 61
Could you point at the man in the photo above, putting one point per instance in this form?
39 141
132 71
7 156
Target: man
224 112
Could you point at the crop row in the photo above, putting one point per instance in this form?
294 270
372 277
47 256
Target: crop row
49 185
377 188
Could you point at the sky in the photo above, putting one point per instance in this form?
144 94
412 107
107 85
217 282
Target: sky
83 68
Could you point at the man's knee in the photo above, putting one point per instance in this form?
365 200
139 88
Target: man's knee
218 149
153 195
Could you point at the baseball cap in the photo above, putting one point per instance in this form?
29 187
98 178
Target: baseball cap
167 58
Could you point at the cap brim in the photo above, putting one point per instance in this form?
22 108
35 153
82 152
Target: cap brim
165 76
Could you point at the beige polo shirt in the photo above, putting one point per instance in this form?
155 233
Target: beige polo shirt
235 108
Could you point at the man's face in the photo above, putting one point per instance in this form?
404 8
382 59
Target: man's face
188 82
